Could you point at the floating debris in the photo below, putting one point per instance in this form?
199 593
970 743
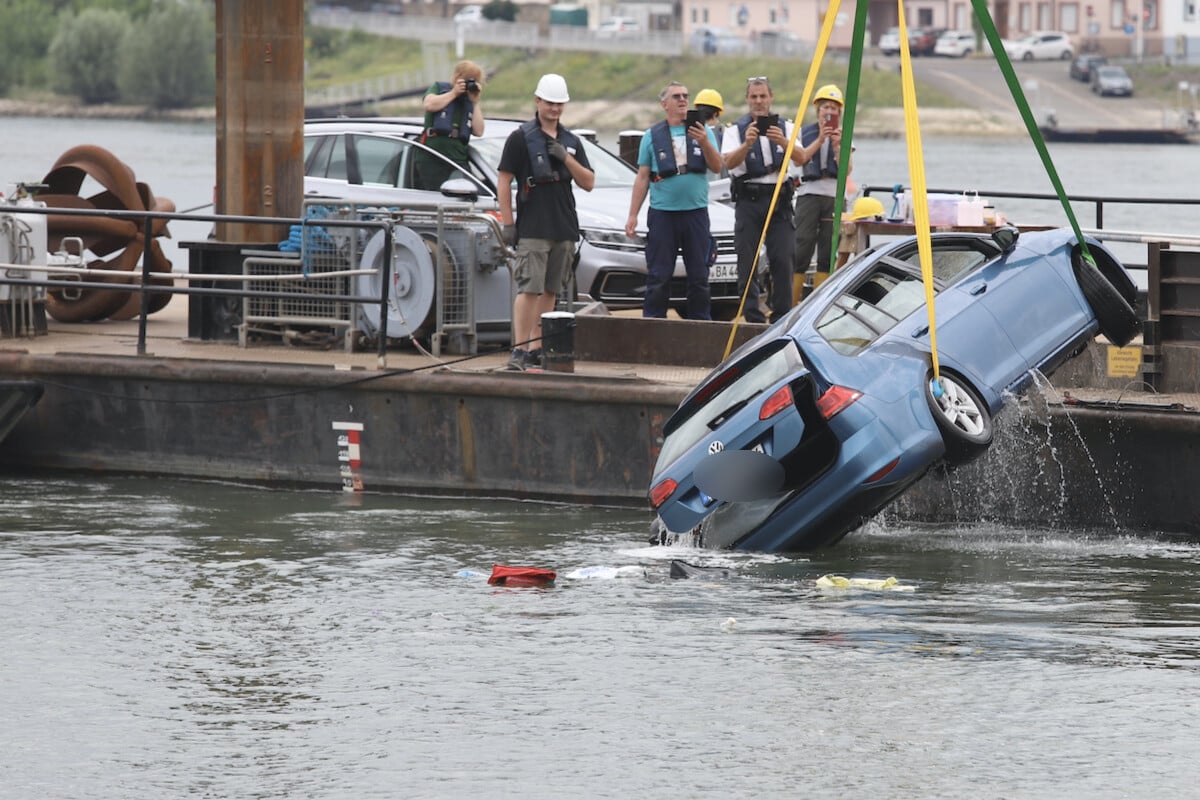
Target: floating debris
870 584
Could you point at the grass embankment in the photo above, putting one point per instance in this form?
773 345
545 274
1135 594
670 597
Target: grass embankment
608 91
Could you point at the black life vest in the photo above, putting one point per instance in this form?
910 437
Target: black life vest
814 169
664 153
755 167
542 168
442 123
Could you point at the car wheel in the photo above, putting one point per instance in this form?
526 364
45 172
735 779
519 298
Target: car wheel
1066 55
962 417
965 53
1117 319
1027 57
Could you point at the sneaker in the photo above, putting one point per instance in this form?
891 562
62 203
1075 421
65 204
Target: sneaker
516 361
533 359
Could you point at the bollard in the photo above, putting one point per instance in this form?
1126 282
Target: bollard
627 146
558 341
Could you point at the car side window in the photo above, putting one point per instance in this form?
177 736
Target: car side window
870 308
381 161
327 158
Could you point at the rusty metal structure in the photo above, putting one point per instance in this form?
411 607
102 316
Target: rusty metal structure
260 115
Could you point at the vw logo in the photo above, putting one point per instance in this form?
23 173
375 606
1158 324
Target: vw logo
715 447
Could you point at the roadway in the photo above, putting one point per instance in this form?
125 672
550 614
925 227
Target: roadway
1047 85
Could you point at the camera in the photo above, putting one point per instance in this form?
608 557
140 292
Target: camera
472 85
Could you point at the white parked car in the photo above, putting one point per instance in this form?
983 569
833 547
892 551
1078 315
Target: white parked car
371 161
1045 45
619 26
956 44
469 15
889 43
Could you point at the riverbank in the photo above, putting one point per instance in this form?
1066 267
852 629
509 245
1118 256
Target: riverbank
598 114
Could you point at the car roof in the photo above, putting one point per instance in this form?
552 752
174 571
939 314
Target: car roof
497 127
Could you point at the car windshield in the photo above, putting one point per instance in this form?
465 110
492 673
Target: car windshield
1111 72
611 171
727 393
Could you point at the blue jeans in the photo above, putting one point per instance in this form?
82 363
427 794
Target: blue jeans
672 233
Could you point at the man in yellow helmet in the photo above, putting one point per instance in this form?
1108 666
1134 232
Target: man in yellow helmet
819 145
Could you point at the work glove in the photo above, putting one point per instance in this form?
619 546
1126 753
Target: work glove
509 234
556 150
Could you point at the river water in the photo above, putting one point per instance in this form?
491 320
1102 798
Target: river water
169 638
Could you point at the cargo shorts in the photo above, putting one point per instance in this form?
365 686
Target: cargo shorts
543 265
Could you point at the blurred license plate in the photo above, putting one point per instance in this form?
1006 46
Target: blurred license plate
723 272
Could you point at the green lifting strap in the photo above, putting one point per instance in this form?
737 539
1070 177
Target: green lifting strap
1014 86
853 73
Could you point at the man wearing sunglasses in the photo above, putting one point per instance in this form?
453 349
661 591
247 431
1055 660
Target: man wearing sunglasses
674 159
754 148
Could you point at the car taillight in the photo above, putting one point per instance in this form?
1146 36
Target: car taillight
835 400
775 403
660 493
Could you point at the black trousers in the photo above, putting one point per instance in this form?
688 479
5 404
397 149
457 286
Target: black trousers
750 215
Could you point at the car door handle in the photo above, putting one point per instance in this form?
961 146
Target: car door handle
921 331
978 290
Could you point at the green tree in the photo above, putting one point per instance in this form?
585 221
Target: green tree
167 59
26 28
85 54
501 10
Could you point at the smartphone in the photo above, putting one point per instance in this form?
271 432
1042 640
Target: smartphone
829 117
694 115
766 122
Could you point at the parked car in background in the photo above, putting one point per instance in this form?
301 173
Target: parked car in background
782 43
1041 45
469 15
1108 79
889 43
713 41
955 44
619 26
371 161
921 41
1082 67
812 427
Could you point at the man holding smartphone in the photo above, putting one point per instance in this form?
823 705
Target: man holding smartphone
818 147
674 159
753 148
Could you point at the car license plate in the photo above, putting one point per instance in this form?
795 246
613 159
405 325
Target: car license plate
723 272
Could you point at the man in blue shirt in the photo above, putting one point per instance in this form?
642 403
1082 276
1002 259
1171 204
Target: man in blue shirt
673 164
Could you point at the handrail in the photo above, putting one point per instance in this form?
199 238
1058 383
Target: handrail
382 219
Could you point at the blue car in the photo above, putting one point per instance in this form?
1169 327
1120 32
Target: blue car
811 428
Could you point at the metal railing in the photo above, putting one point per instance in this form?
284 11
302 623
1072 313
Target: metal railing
296 288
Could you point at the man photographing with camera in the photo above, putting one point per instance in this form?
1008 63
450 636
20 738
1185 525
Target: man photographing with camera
753 148
453 114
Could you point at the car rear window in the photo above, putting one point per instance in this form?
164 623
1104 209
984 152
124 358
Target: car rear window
724 394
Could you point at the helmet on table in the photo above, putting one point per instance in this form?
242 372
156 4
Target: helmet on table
866 208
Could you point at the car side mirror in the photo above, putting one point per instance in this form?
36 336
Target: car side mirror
461 189
1006 237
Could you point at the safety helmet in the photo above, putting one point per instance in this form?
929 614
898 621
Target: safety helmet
829 92
710 97
552 88
866 207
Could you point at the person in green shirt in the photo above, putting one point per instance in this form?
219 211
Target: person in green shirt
453 114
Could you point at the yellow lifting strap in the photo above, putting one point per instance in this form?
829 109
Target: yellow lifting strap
809 85
916 172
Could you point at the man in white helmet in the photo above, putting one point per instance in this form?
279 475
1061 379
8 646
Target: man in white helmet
543 158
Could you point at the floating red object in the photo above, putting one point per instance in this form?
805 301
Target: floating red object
521 576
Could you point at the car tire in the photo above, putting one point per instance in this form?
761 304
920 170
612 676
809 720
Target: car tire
1066 55
1027 57
1118 321
962 417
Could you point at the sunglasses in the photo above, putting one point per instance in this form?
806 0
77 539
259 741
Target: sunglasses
758 79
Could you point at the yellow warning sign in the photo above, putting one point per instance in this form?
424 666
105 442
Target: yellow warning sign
1123 362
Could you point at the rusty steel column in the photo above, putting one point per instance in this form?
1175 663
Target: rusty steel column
260 115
